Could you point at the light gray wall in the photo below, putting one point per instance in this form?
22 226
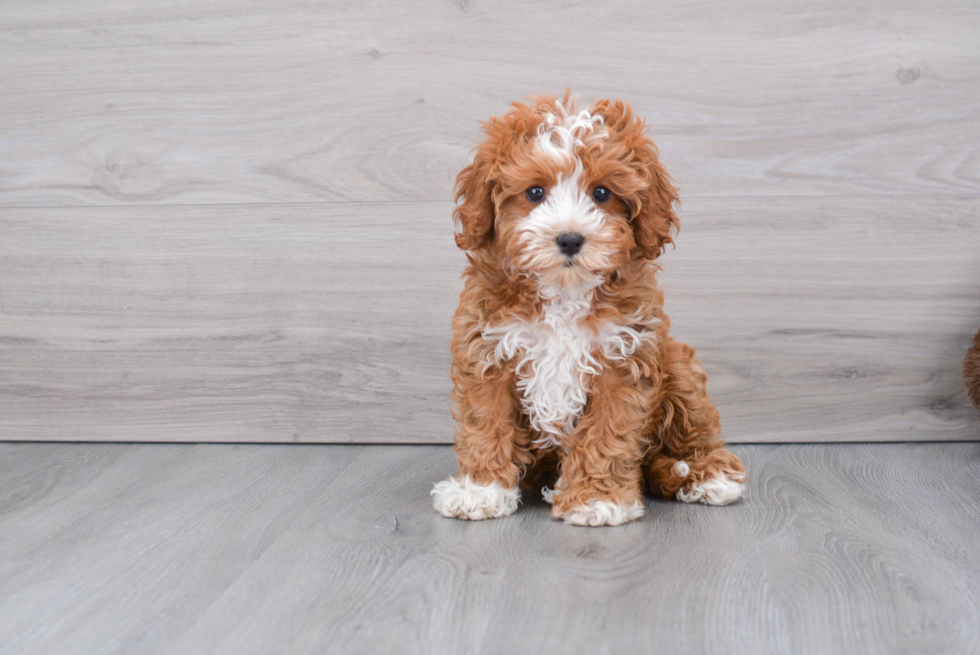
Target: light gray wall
230 221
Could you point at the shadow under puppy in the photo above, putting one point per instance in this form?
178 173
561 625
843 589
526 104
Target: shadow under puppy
563 368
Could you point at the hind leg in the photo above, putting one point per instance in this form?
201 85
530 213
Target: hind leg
713 477
691 463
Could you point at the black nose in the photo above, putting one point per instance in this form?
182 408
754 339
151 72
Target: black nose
570 243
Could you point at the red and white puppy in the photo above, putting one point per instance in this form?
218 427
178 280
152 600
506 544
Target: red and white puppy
564 372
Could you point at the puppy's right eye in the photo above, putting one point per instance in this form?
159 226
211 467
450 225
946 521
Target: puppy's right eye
535 194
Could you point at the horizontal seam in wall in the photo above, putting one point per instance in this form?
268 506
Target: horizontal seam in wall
890 196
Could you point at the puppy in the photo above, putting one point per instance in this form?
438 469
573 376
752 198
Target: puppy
971 370
564 371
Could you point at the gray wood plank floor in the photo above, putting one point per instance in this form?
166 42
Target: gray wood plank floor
310 549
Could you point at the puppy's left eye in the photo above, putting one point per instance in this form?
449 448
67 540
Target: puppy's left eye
601 194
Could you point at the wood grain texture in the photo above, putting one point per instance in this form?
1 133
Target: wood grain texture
227 221
335 549
330 323
298 323
256 101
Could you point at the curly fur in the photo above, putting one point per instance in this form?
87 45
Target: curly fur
971 371
563 365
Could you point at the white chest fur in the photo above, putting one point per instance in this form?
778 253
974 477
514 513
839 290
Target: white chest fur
556 359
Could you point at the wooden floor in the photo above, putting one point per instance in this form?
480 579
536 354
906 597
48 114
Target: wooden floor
145 548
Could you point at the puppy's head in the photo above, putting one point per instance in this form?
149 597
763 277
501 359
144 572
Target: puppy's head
565 196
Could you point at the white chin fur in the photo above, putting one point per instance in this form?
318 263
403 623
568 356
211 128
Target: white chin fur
462 498
716 490
603 512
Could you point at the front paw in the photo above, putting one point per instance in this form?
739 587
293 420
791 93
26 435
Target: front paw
462 498
594 513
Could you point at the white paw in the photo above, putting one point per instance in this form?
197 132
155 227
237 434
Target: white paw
716 490
680 469
603 512
549 494
462 498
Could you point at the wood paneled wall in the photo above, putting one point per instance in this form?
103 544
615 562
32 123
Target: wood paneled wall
230 221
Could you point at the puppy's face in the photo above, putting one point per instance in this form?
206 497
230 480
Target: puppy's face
563 196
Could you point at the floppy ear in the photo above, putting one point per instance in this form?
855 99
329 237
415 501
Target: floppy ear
653 215
651 193
474 187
